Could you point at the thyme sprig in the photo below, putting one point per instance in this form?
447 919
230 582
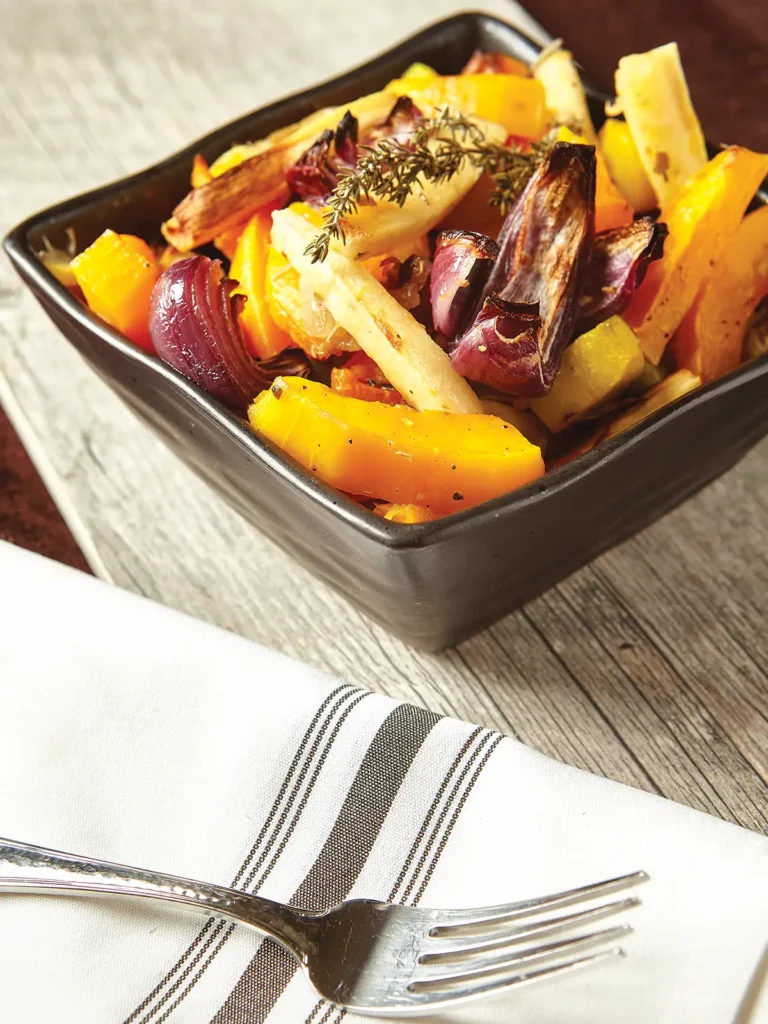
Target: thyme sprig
435 151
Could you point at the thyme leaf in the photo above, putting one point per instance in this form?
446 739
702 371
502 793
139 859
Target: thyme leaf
435 151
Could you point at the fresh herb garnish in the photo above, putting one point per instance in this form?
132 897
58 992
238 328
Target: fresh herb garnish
435 151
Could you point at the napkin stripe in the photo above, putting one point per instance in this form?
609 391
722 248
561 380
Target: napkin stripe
378 779
445 834
267 835
228 929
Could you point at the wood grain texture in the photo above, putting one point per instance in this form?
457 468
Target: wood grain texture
648 666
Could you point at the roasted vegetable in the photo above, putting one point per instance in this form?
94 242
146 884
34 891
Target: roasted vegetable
194 327
405 513
317 171
248 177
709 340
625 166
611 208
530 302
514 102
618 264
501 349
411 361
263 337
756 338
381 226
474 212
564 91
59 261
490 62
116 274
301 314
529 425
361 378
702 221
436 459
668 390
652 93
462 263
596 368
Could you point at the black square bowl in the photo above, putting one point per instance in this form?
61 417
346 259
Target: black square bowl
431 584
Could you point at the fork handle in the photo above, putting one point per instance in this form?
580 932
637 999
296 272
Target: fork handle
34 870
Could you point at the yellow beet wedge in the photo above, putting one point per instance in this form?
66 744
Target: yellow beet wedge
597 367
702 222
442 461
514 102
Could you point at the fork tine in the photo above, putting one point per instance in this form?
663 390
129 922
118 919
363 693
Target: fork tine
461 944
507 958
434 993
452 922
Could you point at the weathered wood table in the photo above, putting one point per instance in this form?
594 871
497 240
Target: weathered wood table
648 666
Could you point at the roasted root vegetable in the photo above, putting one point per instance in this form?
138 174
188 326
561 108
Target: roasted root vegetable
530 302
300 313
411 361
702 221
668 390
564 92
652 93
617 266
405 513
384 225
625 166
596 368
514 102
491 62
249 177
475 212
193 321
361 378
263 337
116 274
475 277
709 340
529 425
440 460
611 208
462 262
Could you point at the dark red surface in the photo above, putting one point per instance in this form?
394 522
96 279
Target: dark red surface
725 53
28 516
724 46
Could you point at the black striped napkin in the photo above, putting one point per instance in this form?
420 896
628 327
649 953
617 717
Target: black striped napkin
131 732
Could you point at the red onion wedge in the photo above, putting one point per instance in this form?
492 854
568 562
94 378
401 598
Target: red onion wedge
316 173
501 348
462 263
545 245
619 261
194 327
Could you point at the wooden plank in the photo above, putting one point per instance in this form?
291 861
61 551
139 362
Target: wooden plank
647 667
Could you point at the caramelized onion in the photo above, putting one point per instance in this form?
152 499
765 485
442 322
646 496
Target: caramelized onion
619 261
501 348
194 327
462 262
316 172
545 246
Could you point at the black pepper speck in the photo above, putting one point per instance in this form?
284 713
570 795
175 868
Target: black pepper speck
457 497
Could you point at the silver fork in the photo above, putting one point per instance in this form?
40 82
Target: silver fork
374 958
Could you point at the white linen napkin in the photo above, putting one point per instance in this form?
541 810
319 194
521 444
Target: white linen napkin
133 733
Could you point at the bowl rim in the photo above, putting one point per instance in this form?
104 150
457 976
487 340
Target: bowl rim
393 535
